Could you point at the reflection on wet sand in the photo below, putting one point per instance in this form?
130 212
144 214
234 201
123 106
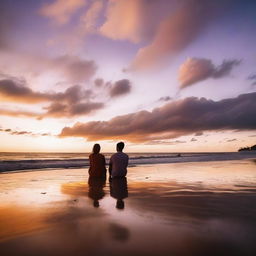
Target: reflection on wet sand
96 191
119 191
17 221
163 215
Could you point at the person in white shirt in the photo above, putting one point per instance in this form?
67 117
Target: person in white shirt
118 162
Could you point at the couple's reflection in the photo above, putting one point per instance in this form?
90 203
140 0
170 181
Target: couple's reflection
118 190
96 191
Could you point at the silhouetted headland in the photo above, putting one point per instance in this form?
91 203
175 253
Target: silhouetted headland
252 148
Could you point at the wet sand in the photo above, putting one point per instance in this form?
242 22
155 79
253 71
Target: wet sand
206 208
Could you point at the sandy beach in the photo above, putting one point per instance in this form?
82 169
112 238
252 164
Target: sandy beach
163 209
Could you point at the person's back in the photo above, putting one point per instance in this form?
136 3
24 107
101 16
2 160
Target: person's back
97 163
118 162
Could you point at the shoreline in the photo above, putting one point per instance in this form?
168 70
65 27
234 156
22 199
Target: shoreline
33 165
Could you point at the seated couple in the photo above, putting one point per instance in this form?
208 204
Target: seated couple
117 164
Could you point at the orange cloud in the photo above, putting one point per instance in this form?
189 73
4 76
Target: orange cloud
133 20
176 32
61 11
18 113
194 70
123 18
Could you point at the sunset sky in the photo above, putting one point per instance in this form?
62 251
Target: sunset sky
160 75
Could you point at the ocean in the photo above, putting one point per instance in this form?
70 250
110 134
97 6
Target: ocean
35 161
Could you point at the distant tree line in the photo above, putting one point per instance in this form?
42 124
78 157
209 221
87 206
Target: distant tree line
247 148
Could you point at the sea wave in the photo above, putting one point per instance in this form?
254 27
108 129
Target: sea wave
135 159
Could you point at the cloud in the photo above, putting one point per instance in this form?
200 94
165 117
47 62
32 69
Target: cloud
120 87
225 68
16 132
74 94
177 31
16 90
199 133
193 139
172 120
74 101
85 108
98 82
133 20
74 68
231 140
68 68
18 113
161 142
252 78
61 11
89 21
56 110
194 70
165 98
59 110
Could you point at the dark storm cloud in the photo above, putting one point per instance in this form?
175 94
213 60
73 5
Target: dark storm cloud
120 87
194 70
186 116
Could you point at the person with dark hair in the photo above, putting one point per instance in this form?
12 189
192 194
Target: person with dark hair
97 163
118 162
